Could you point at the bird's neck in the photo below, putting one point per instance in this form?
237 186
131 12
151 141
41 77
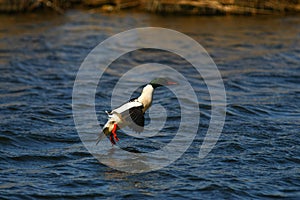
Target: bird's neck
146 96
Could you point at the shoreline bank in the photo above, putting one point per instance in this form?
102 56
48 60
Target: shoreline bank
190 7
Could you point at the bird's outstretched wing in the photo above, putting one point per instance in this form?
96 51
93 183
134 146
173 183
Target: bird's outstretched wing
126 107
132 113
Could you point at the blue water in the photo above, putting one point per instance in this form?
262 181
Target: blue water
257 155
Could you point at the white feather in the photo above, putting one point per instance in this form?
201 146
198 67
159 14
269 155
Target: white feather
146 97
127 106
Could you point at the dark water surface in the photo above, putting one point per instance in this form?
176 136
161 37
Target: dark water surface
257 155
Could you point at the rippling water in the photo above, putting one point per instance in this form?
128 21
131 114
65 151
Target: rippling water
257 155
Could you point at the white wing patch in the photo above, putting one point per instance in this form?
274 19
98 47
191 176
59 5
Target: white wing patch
127 106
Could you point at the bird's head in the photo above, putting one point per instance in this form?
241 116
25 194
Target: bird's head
157 82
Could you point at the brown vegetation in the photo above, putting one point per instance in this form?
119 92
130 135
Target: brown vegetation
200 7
223 6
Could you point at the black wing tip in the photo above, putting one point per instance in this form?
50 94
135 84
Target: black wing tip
137 117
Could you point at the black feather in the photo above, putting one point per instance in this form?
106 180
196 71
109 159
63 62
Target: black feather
137 119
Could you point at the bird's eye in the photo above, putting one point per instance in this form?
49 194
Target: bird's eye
112 122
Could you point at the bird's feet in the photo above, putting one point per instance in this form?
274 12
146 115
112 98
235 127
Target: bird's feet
113 137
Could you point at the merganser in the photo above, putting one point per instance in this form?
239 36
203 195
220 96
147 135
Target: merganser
131 114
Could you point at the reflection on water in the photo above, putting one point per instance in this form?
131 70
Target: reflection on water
257 155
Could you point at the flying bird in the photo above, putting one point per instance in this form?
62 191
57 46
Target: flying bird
131 114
